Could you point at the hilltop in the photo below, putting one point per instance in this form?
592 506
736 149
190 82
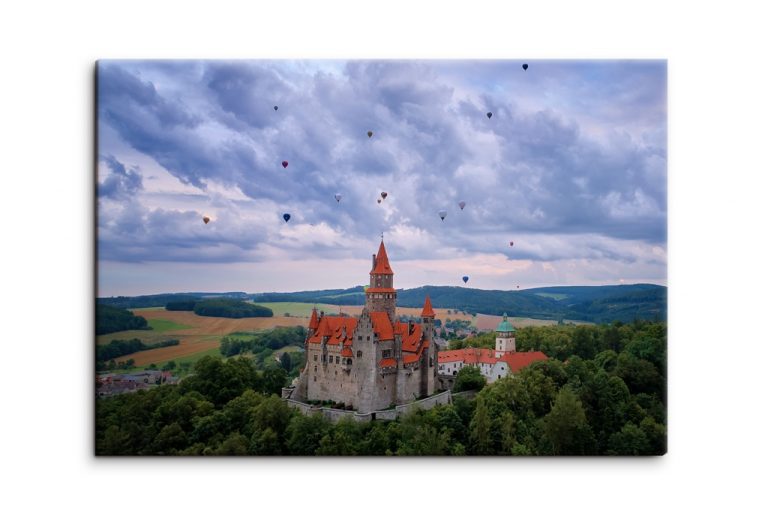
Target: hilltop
588 303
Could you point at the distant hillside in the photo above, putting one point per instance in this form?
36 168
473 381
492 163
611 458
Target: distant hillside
589 303
160 300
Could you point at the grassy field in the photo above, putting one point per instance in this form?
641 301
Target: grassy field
160 325
556 296
299 309
201 335
196 334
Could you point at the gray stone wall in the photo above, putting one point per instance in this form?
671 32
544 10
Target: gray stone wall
387 414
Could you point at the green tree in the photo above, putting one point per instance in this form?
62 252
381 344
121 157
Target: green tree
566 427
631 440
468 378
285 362
304 433
480 429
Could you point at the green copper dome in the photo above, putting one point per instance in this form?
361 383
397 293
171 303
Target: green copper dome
505 326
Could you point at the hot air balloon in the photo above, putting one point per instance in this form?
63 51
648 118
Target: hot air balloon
518 287
206 219
465 278
525 67
286 217
275 107
383 195
511 244
462 204
370 134
442 214
285 164
378 200
489 114
337 197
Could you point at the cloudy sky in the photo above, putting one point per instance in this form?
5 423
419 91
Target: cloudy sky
572 167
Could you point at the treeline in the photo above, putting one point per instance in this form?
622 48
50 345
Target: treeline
227 308
589 303
118 348
613 403
273 339
263 345
112 319
160 300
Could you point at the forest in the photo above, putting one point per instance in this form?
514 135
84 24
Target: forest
230 308
603 392
113 319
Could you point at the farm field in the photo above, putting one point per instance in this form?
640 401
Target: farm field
489 322
196 334
200 335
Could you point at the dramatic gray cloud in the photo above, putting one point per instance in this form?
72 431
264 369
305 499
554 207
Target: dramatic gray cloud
572 165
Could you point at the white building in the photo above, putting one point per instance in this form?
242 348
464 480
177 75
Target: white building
493 364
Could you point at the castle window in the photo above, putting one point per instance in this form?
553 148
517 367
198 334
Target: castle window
323 357
359 353
359 338
337 359
386 353
315 369
367 338
315 357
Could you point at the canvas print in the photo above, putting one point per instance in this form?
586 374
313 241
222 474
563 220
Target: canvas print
392 257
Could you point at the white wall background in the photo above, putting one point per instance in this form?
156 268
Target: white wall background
717 112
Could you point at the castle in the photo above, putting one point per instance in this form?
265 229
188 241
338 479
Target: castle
372 362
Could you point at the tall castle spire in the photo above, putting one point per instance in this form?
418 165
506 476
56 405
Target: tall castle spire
381 294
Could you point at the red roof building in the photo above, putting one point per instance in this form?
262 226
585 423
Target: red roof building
493 364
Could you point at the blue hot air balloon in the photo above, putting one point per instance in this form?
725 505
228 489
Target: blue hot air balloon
286 217
465 278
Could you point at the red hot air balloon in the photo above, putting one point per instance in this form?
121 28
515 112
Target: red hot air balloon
285 164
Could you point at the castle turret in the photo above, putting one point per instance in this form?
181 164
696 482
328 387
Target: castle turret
381 294
505 337
428 319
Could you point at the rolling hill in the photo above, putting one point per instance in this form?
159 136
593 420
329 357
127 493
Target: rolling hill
589 303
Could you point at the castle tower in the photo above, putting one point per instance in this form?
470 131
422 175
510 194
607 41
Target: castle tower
381 294
428 319
429 361
505 337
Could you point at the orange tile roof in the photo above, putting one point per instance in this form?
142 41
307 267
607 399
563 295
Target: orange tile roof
515 360
387 362
382 262
427 311
410 358
334 327
381 325
410 341
380 290
519 360
313 319
346 352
